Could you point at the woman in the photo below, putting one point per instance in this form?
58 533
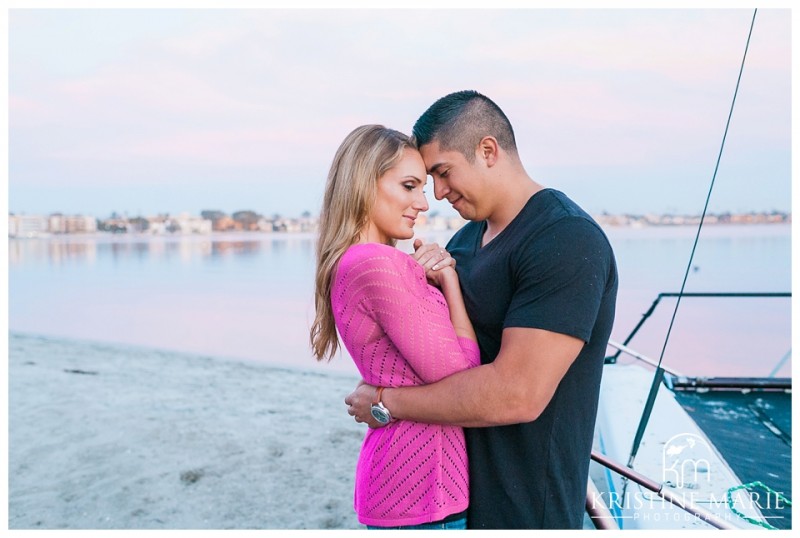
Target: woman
399 329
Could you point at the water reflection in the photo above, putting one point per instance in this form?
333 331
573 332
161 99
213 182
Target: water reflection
88 249
22 251
234 248
251 295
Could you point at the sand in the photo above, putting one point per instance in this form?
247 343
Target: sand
113 437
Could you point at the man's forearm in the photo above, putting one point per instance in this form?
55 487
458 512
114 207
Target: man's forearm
516 387
472 398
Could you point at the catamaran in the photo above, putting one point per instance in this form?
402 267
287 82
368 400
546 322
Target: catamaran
675 451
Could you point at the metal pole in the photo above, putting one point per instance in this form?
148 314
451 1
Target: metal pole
638 326
648 409
780 363
636 355
709 517
649 312
598 511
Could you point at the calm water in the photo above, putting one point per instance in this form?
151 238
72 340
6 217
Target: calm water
251 296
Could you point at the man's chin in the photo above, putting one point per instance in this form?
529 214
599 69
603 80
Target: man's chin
465 214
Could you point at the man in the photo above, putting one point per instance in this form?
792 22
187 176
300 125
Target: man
539 281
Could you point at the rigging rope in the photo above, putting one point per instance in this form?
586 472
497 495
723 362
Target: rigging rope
659 375
753 485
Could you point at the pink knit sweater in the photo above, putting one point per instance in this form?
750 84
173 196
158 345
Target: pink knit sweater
397 328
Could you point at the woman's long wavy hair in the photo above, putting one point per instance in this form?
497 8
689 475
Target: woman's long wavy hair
363 157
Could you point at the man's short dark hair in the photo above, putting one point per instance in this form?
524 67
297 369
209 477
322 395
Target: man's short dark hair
460 120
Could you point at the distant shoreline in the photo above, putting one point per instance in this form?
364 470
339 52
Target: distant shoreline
256 234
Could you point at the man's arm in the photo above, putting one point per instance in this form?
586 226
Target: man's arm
515 388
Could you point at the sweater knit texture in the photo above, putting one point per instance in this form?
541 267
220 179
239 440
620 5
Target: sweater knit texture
397 329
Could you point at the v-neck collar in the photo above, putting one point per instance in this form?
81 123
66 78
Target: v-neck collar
484 224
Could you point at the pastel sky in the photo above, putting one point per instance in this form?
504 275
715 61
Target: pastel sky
149 111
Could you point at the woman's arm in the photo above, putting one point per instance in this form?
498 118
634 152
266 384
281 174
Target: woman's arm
391 288
451 289
440 270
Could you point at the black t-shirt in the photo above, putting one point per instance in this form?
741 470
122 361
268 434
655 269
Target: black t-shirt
551 268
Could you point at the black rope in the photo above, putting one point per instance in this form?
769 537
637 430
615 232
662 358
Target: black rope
710 189
659 375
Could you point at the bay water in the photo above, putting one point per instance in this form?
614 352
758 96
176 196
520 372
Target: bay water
249 296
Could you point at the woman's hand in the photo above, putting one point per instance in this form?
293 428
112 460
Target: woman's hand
437 262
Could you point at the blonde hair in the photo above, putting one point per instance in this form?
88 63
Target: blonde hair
364 156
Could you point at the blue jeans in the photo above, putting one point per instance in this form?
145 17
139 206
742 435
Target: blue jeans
458 525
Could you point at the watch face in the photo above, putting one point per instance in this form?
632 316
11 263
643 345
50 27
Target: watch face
380 414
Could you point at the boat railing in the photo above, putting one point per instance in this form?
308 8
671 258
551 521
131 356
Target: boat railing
705 384
598 510
600 516
677 381
613 358
636 355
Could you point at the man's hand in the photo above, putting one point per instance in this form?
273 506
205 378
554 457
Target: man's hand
359 403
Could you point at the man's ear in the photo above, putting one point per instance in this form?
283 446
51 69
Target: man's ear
488 149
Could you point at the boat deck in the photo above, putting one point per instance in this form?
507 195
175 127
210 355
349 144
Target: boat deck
679 449
744 425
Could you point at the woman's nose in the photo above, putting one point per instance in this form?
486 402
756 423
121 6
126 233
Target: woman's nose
421 203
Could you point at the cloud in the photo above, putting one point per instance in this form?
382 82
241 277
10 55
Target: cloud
266 88
221 147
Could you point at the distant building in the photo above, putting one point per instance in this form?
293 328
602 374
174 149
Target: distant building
193 225
13 226
115 225
27 225
224 224
216 221
166 224
70 224
286 225
265 225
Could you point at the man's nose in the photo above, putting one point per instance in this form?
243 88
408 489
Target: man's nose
440 189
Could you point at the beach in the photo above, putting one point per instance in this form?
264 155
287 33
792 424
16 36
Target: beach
122 437
241 429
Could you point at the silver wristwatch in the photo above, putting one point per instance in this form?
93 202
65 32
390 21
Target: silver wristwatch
379 411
